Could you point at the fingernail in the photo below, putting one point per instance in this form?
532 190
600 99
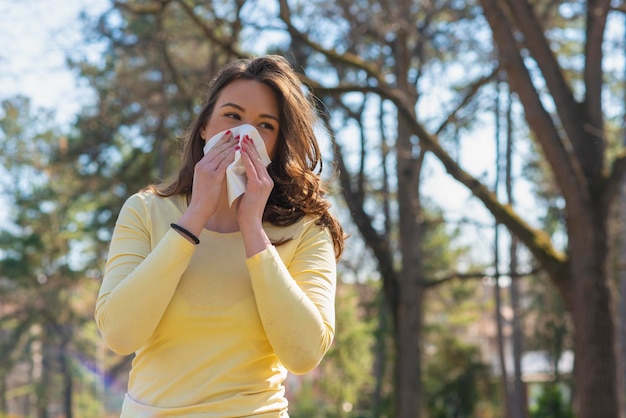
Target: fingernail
237 137
237 148
227 132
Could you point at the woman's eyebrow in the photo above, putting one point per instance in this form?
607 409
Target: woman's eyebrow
236 106
268 116
263 115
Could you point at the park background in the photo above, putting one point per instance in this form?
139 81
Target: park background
475 152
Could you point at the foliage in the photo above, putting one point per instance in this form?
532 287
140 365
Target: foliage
308 405
342 383
352 352
455 378
551 324
46 292
551 404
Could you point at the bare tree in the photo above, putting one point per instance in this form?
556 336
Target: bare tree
574 143
395 232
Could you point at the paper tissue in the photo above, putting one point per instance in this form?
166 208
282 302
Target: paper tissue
236 173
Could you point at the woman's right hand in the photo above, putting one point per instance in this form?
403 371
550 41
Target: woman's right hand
208 181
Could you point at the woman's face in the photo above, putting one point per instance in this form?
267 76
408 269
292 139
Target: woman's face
246 102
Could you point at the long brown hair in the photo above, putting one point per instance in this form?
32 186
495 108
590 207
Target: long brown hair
296 166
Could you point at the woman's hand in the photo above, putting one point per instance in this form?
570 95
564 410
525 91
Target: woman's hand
208 181
252 204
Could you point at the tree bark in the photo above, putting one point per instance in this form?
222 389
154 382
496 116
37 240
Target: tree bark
497 289
518 399
501 337
409 315
43 384
66 372
596 382
409 308
621 268
380 357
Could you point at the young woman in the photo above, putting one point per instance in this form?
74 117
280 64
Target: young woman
219 301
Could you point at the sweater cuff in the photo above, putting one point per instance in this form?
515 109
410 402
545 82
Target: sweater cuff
268 255
175 238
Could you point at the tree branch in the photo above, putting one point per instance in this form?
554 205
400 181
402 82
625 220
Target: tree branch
347 58
227 44
142 9
356 203
471 92
597 13
537 241
536 42
566 167
476 275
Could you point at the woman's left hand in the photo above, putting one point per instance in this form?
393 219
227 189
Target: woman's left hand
252 204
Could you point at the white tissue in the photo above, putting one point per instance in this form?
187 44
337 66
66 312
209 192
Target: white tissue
236 178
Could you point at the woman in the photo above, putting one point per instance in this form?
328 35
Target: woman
218 301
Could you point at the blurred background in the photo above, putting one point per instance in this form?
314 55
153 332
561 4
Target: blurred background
475 153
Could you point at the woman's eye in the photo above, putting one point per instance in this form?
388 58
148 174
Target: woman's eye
266 125
232 116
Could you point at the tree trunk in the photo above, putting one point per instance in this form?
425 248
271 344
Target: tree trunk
43 384
622 286
380 357
592 307
408 311
409 307
621 269
501 340
3 395
518 394
408 361
518 398
499 320
66 372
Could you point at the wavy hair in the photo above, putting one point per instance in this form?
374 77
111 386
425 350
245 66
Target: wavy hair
296 166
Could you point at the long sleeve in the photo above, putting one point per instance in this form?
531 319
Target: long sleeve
139 281
296 303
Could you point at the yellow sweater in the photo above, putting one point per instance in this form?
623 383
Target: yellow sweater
213 333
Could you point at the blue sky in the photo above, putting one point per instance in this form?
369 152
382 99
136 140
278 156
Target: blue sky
36 36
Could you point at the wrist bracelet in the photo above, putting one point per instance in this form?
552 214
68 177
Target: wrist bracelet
186 232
